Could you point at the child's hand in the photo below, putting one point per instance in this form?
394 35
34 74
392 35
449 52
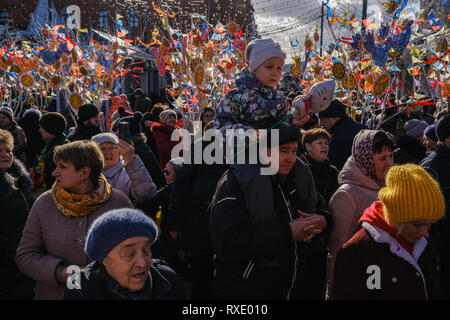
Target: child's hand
299 122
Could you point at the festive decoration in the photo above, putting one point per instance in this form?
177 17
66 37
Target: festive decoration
75 100
338 70
348 82
295 70
27 80
381 84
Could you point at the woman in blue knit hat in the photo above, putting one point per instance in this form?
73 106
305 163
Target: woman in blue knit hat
430 138
120 243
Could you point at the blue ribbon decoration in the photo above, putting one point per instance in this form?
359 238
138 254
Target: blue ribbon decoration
433 18
400 8
328 8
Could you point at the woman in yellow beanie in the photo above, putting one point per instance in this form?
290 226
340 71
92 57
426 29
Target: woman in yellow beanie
392 256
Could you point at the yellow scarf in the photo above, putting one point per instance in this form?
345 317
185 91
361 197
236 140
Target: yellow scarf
80 205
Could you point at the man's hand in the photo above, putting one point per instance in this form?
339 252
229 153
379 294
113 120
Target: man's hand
126 151
306 227
313 229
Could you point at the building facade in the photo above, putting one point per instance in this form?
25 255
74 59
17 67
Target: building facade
138 17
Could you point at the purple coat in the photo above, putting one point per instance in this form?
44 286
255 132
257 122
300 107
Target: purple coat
49 238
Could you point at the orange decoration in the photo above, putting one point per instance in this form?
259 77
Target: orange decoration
75 100
27 80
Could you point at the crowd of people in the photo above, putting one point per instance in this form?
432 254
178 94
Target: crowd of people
357 209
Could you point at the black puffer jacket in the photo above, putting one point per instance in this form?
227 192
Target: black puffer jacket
15 205
49 164
192 193
437 164
82 132
409 150
35 143
20 141
166 284
150 161
255 257
343 133
325 177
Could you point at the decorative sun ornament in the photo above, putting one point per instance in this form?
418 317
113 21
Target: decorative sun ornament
295 70
75 100
338 70
199 75
348 82
27 80
381 83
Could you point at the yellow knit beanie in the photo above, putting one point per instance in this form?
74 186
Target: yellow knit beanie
411 194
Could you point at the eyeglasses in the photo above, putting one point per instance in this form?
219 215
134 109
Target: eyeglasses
166 171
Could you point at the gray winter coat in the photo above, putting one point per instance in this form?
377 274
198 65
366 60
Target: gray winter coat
132 179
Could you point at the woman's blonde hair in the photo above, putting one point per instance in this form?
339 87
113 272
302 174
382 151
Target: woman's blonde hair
81 154
6 138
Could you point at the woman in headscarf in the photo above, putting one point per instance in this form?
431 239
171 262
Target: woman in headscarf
53 239
360 180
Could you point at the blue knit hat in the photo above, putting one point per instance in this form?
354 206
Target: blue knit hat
430 132
115 226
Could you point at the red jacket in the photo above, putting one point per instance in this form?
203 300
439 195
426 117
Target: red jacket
164 145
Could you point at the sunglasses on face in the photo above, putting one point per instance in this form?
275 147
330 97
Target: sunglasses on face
166 171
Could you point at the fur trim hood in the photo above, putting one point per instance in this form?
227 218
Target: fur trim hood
16 178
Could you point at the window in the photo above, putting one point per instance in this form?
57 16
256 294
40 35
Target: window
134 21
4 17
103 20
